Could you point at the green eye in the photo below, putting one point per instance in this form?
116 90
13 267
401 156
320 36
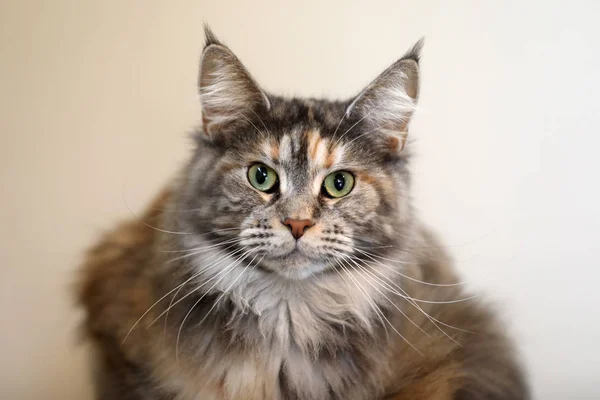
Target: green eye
338 184
262 177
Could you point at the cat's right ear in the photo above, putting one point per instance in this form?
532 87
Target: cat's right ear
228 93
388 103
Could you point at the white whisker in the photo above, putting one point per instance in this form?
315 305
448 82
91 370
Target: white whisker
197 251
413 302
143 222
228 269
387 298
262 134
370 255
202 270
191 292
384 317
261 121
366 296
338 126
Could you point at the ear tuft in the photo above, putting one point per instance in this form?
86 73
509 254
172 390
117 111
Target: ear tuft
209 37
228 93
414 53
388 103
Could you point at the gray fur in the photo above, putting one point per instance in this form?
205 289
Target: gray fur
259 315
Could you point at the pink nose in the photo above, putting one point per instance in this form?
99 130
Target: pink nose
298 226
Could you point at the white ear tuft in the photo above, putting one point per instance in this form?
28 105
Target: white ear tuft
227 91
390 100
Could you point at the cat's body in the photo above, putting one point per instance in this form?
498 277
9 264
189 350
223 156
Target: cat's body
290 291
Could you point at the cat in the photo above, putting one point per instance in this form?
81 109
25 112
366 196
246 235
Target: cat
286 262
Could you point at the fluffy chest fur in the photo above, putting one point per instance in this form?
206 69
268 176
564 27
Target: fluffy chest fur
264 337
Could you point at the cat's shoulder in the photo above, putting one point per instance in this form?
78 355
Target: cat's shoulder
114 282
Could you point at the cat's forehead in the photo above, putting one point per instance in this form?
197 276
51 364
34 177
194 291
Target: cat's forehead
326 115
306 137
304 145
307 131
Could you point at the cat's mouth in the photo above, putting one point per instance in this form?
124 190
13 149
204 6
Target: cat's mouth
295 264
292 250
294 255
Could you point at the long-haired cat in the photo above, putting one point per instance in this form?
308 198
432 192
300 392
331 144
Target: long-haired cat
286 262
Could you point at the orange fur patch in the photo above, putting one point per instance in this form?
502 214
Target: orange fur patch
313 143
225 168
274 151
330 158
440 384
393 143
366 178
319 150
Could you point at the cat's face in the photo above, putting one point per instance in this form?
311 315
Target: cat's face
297 184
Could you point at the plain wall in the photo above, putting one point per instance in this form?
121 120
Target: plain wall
97 97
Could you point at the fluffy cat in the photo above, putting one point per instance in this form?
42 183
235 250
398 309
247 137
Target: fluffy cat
286 262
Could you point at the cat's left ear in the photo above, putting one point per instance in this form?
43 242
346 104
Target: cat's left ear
388 103
228 93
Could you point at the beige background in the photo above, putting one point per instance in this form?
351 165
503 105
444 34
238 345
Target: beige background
96 98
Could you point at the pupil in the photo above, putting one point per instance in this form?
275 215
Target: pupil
339 182
261 175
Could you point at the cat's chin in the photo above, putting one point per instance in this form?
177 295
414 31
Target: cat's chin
294 266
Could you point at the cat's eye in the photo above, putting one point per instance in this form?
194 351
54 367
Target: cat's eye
262 177
338 184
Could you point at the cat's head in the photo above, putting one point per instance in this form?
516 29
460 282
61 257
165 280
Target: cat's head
298 183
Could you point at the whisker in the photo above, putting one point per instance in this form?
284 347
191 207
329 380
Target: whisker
433 320
352 127
229 269
358 122
143 222
435 301
193 290
209 266
413 302
178 288
387 298
338 126
208 243
219 241
369 132
384 258
445 301
387 320
373 247
366 296
216 301
255 127
261 121
410 278
363 240
219 230
204 250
